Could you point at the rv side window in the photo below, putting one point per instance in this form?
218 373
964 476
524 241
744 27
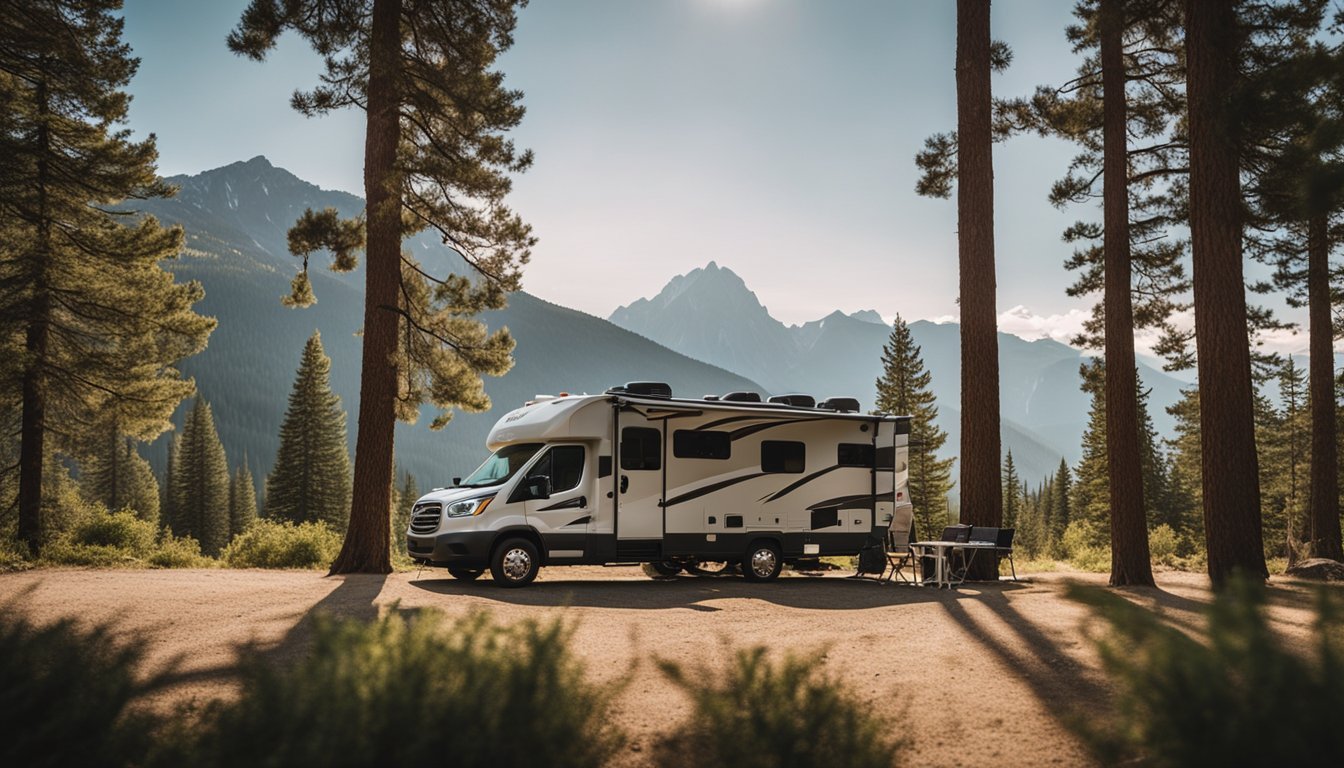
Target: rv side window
689 444
855 455
886 457
641 448
563 464
782 456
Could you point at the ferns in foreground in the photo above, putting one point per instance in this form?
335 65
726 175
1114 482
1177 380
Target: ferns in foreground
412 691
1238 698
764 714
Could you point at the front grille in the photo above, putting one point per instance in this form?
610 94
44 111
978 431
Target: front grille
425 518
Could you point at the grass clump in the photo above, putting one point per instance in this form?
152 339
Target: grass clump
1240 698
64 695
761 714
281 544
412 692
184 552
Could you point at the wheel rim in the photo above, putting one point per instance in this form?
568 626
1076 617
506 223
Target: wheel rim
517 563
763 562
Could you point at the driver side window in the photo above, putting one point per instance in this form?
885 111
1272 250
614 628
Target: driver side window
563 464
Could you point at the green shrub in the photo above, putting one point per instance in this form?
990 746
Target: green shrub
13 555
104 540
277 544
182 552
408 692
761 714
64 693
1240 698
1078 546
1163 545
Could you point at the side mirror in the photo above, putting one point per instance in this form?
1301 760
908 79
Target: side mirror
539 487
457 481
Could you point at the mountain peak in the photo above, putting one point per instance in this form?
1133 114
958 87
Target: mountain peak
868 316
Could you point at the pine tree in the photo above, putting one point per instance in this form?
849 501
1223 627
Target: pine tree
1061 510
1091 501
116 476
1231 477
406 498
1187 467
200 485
167 494
1012 495
906 388
435 156
242 499
311 478
101 324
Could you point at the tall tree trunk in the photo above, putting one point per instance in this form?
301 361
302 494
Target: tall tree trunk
367 539
33 420
981 486
1324 496
1130 564
1232 525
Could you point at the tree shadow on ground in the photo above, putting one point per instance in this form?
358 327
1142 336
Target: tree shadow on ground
698 593
353 596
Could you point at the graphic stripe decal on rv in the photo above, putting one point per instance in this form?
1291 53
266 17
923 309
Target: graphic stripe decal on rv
738 434
581 521
797 484
574 503
712 487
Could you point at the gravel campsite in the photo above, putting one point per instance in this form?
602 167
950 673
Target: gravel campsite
986 674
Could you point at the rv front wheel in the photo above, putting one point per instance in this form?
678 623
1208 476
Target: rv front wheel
763 562
466 574
515 563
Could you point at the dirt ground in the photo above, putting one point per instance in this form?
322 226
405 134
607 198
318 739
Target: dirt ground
981 675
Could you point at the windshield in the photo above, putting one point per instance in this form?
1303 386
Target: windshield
502 465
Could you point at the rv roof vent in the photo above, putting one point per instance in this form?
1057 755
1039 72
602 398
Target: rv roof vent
645 388
844 404
800 401
710 397
742 397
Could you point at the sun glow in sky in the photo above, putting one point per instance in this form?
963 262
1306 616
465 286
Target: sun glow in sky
774 136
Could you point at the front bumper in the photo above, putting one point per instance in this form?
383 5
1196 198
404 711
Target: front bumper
467 549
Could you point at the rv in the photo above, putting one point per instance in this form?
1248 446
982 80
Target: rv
635 475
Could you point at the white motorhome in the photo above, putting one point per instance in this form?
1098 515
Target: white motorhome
635 475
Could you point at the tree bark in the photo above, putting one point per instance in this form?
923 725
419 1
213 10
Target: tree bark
367 540
1130 563
1232 525
981 489
1324 497
33 420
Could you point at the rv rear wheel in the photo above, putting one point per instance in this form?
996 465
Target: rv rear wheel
515 563
466 574
665 569
763 561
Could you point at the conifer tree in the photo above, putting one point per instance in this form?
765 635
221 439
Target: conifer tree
1231 476
201 482
906 388
1012 491
1061 508
311 478
100 323
116 476
1091 488
1186 466
406 498
167 494
435 156
242 499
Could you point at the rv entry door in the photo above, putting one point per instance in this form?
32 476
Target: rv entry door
639 478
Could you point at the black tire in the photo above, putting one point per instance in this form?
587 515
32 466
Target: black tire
466 574
515 563
763 562
664 569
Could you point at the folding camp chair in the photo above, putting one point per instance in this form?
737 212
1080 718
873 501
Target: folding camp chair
1003 547
899 536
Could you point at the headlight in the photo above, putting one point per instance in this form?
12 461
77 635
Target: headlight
467 508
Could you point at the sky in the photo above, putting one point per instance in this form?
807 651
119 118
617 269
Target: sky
775 137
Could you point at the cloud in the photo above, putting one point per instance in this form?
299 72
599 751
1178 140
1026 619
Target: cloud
1022 322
